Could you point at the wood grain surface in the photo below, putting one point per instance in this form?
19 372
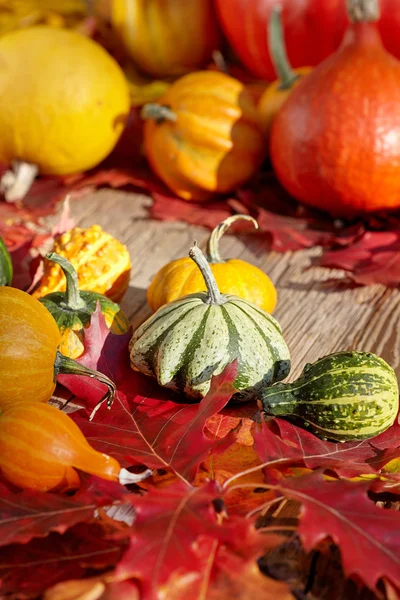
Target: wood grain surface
318 313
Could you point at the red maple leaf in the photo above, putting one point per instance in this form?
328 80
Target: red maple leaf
28 570
185 531
373 258
280 443
28 514
368 536
155 431
147 424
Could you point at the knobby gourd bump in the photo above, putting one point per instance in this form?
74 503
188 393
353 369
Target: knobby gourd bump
195 337
342 396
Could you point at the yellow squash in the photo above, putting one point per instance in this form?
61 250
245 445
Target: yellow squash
166 37
233 276
63 104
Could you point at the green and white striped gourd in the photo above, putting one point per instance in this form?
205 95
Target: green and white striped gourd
343 396
6 269
189 340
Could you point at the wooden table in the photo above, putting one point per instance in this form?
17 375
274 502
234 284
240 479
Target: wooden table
317 312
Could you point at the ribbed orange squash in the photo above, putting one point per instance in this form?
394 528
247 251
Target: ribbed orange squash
234 276
40 447
204 135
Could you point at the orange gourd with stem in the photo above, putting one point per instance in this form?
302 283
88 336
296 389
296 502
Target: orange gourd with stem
278 91
335 144
41 448
233 276
204 135
29 356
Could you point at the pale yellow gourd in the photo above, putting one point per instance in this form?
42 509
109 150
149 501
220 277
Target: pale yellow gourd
63 104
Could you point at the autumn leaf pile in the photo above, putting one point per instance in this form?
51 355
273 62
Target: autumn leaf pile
195 528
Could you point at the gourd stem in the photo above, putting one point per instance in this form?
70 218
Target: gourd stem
126 477
214 296
277 49
65 365
17 181
74 300
157 112
213 255
363 11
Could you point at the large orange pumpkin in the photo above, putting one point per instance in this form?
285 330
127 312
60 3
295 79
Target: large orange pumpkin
204 135
335 143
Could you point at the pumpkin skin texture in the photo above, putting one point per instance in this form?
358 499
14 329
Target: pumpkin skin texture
343 396
335 144
63 102
191 339
313 30
40 448
166 38
102 263
206 139
72 310
29 338
233 276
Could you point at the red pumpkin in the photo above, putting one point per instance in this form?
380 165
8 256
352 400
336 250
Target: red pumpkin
335 144
313 30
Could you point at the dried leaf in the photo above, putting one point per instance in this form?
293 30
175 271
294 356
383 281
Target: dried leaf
187 533
282 444
372 259
341 510
28 514
29 569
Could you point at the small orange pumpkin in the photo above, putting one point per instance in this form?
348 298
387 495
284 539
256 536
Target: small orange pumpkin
102 263
204 135
234 276
278 91
40 448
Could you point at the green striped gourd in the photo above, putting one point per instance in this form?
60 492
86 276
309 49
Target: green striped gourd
6 270
189 340
343 396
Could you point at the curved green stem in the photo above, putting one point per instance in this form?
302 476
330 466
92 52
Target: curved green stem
214 295
65 365
213 255
157 112
74 300
6 268
277 49
363 11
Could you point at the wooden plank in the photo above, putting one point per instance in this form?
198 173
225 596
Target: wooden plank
318 314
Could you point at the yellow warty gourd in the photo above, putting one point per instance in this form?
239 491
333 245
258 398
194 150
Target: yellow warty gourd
63 104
